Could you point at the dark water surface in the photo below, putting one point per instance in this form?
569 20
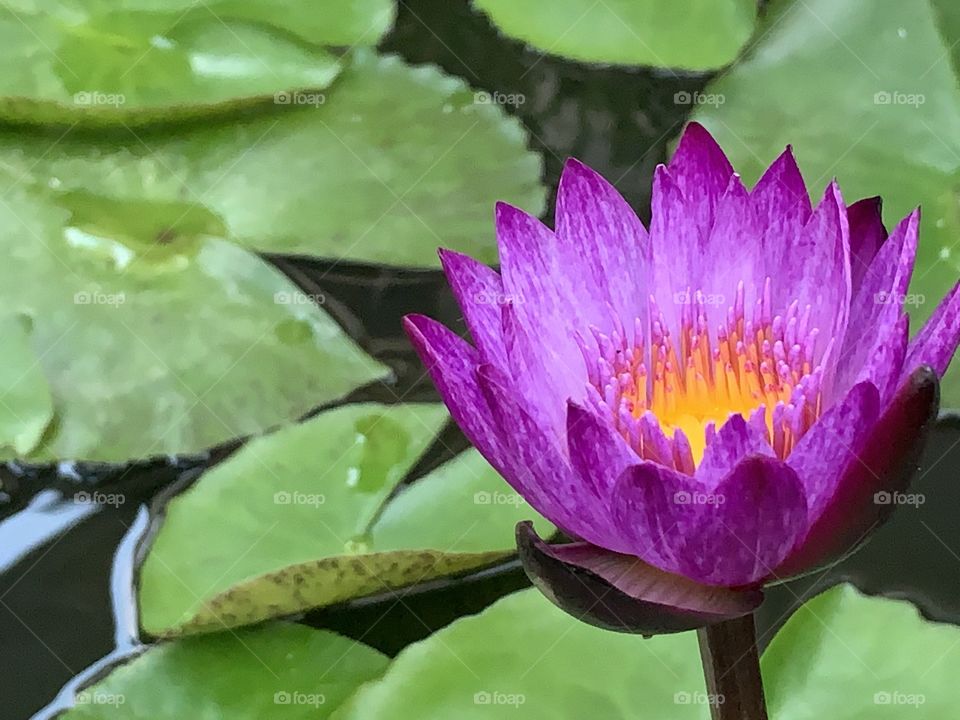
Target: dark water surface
67 568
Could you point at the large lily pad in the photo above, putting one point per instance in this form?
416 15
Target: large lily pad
278 672
850 657
396 162
155 335
524 658
866 92
90 61
297 520
26 407
688 34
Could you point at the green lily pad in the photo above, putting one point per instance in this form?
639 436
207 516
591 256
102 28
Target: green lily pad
26 407
277 672
866 92
850 657
308 502
90 62
397 161
524 658
688 34
155 335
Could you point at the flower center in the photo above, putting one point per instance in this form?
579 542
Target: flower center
667 403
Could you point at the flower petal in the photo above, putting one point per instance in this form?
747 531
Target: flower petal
452 364
937 341
677 243
733 535
702 171
621 593
817 270
885 464
735 439
782 205
598 453
596 224
832 443
727 259
535 465
479 293
867 235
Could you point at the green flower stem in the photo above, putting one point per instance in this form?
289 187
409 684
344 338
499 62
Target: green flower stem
731 665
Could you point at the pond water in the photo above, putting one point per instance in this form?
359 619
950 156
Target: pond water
67 569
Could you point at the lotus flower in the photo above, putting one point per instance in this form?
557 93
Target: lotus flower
720 402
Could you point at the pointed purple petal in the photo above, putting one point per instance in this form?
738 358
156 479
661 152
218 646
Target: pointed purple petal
876 311
597 451
735 439
479 293
535 465
867 235
701 171
782 204
937 341
832 443
677 242
596 224
816 272
734 534
885 465
622 593
452 364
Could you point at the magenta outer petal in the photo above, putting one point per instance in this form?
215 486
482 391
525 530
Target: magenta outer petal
598 453
727 260
622 593
452 364
594 222
873 345
833 442
867 234
732 535
701 170
937 341
677 243
885 464
817 271
479 292
782 205
536 466
453 367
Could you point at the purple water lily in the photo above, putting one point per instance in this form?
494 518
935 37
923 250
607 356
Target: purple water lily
727 399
